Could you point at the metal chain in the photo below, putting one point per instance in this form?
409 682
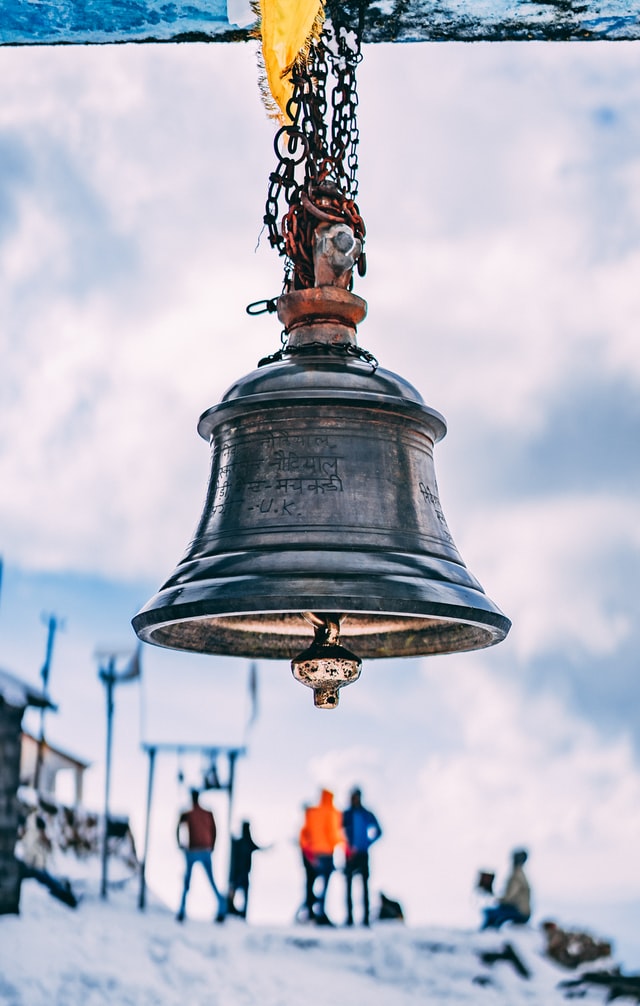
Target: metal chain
316 174
345 134
323 349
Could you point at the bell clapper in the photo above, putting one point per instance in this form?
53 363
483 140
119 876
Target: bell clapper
326 666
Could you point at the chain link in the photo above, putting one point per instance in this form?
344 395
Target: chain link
316 173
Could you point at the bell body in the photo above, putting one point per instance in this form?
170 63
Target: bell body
322 498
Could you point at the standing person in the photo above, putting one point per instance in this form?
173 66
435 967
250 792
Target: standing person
201 830
515 903
309 871
320 835
361 829
242 849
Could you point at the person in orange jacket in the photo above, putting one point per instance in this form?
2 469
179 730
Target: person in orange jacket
321 833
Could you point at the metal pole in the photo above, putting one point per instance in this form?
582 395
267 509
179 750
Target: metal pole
108 677
44 674
231 755
142 899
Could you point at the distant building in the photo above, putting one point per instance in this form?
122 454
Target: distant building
54 763
15 696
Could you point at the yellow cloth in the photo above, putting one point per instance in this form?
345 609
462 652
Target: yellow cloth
287 28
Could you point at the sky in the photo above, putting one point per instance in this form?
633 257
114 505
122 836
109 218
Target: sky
500 187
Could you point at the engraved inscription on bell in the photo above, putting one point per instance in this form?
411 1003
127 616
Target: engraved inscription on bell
275 474
359 476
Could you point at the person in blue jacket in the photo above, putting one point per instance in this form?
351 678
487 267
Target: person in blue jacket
361 829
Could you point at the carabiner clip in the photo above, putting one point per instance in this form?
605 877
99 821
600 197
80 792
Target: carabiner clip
267 306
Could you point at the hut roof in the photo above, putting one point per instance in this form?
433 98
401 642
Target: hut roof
18 693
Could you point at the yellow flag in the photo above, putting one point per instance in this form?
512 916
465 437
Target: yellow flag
287 28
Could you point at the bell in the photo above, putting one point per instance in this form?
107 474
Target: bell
322 499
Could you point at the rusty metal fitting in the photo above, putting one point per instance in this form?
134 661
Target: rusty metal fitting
326 314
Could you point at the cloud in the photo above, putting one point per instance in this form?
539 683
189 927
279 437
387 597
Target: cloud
524 771
499 189
459 757
555 561
493 222
461 765
123 297
130 260
14 173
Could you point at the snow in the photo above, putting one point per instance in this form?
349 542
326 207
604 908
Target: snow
109 952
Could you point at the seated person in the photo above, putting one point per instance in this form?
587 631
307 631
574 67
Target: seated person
515 903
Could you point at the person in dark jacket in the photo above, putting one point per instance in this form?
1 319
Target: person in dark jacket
200 826
361 829
242 849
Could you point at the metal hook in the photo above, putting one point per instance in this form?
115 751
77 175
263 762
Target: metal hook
266 306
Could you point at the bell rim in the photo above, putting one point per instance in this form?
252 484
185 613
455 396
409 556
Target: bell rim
476 627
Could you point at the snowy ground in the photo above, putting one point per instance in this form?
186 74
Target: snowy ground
111 953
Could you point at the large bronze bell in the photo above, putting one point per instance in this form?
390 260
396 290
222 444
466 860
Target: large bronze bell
322 516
